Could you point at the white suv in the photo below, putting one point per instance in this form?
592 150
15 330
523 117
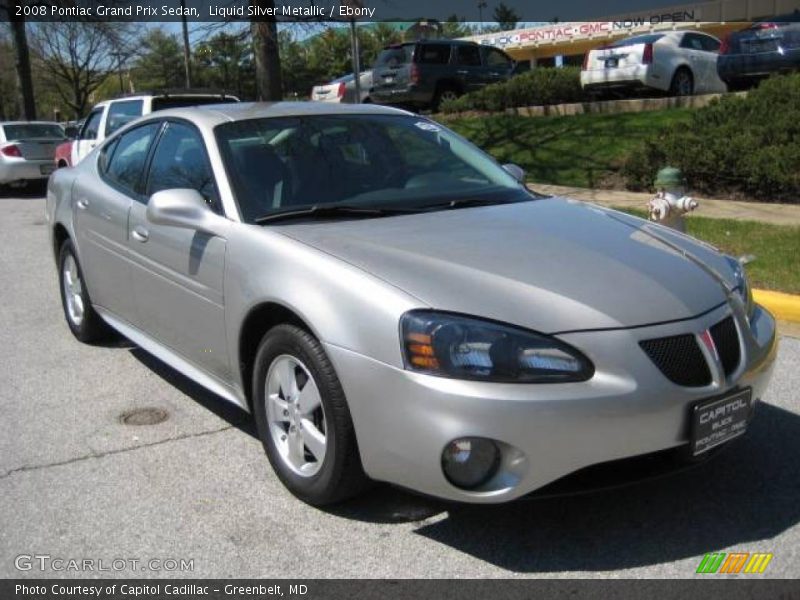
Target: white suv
106 117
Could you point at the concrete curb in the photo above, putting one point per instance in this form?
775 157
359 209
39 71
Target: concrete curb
785 307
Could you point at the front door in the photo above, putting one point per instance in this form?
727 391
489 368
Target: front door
177 274
101 207
88 137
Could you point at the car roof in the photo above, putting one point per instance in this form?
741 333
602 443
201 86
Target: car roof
214 114
28 123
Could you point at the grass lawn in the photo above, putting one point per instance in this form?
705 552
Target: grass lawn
776 248
581 150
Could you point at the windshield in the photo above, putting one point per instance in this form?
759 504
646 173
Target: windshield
26 131
373 161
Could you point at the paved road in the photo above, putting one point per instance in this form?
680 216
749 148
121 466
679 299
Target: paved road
76 483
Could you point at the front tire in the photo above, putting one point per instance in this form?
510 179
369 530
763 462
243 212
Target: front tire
83 321
303 419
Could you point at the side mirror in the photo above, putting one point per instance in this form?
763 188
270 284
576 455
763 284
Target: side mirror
516 172
185 208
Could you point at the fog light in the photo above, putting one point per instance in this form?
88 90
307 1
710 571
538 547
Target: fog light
470 462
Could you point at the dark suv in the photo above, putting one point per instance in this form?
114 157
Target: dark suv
421 74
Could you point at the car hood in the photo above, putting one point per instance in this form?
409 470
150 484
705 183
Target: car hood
552 265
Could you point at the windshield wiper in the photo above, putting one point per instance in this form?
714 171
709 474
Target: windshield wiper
322 211
466 203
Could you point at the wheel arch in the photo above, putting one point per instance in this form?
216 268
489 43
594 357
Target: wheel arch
60 235
260 319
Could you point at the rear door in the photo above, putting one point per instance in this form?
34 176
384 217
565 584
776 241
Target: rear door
102 198
88 137
471 73
703 62
177 274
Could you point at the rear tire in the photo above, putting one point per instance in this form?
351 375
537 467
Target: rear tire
83 321
443 93
682 83
303 419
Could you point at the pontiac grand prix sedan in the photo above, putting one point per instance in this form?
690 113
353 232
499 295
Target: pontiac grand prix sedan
391 304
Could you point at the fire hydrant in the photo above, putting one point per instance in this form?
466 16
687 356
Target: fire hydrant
670 202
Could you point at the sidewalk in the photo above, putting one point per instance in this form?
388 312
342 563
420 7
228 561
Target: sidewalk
777 214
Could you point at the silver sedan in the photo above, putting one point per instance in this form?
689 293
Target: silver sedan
27 150
391 304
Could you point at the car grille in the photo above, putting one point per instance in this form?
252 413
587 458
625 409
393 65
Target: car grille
679 358
682 362
727 341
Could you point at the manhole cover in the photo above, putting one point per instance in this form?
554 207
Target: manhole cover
144 416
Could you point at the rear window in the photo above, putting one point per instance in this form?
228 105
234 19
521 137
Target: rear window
26 131
436 54
165 102
344 79
395 55
650 38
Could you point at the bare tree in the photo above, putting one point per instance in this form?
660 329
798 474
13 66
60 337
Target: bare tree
23 64
76 57
266 52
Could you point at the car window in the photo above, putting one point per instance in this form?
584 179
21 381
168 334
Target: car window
648 38
92 126
496 58
127 162
180 161
106 153
121 113
25 131
395 55
709 43
434 54
469 56
692 41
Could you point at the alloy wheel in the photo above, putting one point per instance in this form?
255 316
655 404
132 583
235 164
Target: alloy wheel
73 290
295 416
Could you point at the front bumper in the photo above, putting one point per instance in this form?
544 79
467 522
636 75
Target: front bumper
15 170
403 420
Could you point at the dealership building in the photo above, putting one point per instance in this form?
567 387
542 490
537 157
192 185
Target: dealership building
567 43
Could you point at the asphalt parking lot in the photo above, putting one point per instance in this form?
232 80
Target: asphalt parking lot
77 483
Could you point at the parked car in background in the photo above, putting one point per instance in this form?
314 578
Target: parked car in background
760 50
420 75
27 149
106 117
360 279
680 63
343 89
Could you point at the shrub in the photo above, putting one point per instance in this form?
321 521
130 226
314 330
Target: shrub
537 87
747 146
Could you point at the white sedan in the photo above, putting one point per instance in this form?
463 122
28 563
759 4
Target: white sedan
343 89
27 149
681 63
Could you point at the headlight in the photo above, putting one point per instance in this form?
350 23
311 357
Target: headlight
467 348
742 285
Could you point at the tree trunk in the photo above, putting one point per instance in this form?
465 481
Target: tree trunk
267 56
24 77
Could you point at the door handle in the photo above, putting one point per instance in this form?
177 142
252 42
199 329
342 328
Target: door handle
140 234
83 204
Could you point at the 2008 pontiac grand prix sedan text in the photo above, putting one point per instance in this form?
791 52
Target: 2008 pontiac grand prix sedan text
392 304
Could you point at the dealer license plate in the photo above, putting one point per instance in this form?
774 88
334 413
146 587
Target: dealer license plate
719 420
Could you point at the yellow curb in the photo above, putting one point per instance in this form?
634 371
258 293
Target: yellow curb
785 307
